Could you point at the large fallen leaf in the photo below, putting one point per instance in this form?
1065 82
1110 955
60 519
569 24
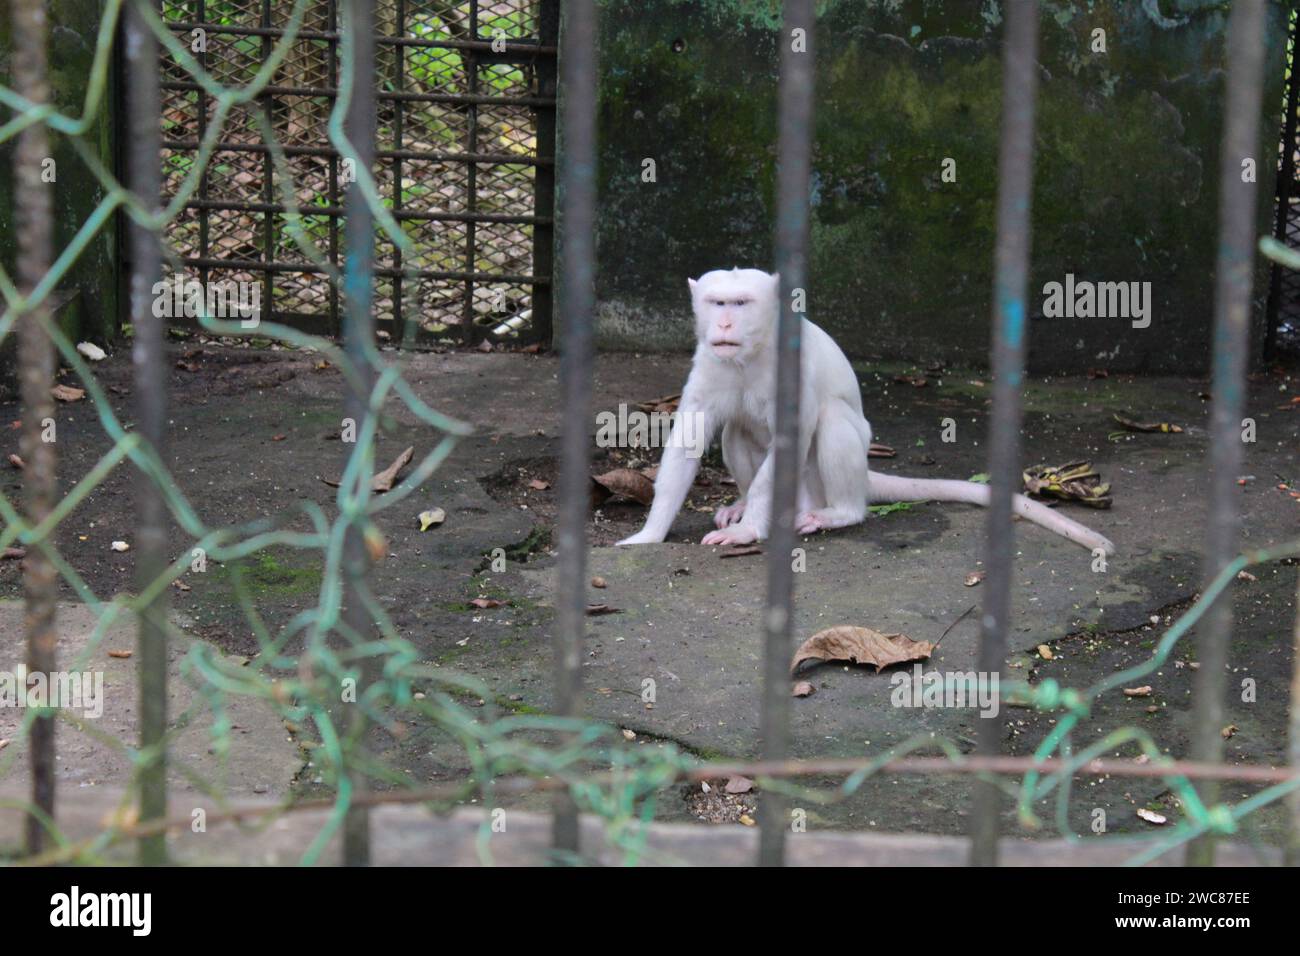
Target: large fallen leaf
432 517
384 480
861 645
624 483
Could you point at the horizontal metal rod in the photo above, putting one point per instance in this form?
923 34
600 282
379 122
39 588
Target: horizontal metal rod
399 214
465 99
531 48
485 159
830 767
253 265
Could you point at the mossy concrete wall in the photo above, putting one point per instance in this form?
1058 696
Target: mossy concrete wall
901 264
73 26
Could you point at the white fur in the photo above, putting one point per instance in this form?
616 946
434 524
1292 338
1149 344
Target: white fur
732 388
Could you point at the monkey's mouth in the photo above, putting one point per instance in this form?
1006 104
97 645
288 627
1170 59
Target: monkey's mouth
725 349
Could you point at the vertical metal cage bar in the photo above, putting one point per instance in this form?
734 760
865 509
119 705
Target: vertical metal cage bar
267 103
148 360
400 319
471 177
33 227
577 296
335 319
1234 276
1291 851
794 172
548 29
1285 187
1010 287
358 336
201 117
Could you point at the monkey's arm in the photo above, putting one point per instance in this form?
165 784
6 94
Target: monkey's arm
677 470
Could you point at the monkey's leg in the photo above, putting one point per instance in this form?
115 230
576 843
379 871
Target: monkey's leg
742 456
841 461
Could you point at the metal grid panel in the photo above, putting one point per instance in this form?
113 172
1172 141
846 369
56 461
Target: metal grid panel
465 136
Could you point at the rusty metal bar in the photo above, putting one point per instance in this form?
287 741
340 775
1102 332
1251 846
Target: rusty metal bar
33 227
205 180
399 96
403 324
409 215
471 178
577 296
149 364
1010 312
267 104
335 321
358 336
544 175
516 49
794 172
257 265
502 159
1285 187
1291 852
1234 276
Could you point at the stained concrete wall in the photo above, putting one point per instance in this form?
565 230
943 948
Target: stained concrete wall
901 265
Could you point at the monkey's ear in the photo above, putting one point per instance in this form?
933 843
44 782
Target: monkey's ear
692 283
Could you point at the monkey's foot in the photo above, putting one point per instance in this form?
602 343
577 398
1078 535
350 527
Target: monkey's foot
729 514
641 537
824 519
810 522
735 534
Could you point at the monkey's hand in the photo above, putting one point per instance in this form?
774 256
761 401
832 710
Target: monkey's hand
641 537
734 534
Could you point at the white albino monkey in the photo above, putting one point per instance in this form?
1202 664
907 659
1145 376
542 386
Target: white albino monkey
732 386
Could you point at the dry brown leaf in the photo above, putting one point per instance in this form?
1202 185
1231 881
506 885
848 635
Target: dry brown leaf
802 689
121 655
598 582
665 403
1129 425
1229 731
974 578
384 480
739 784
861 645
482 602
747 820
1143 691
1045 652
68 393
741 551
598 609
538 485
180 585
878 450
622 482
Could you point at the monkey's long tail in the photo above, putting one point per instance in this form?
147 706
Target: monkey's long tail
888 488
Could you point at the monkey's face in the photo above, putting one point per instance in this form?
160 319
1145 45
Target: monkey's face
735 311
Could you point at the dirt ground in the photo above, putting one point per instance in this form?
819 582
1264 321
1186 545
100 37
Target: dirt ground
255 429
